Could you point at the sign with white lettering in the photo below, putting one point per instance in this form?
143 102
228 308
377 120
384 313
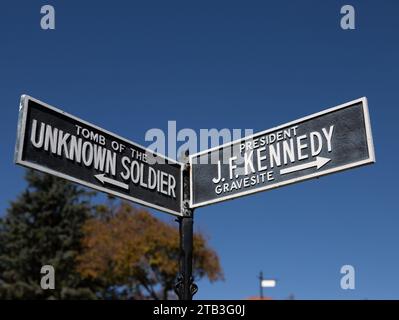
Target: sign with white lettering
329 141
54 142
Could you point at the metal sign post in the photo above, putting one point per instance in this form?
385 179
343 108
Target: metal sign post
185 288
260 285
54 142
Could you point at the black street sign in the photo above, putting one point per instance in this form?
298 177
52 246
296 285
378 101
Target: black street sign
55 142
329 141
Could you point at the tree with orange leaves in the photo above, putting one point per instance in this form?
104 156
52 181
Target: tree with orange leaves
136 256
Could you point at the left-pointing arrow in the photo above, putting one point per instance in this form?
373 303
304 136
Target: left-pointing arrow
319 162
103 179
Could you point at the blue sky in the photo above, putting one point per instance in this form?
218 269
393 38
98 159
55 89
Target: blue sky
130 66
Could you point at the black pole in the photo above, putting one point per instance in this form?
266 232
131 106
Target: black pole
185 287
260 285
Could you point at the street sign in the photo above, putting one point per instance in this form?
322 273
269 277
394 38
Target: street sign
329 141
55 142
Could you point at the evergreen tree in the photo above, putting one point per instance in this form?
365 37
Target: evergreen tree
44 227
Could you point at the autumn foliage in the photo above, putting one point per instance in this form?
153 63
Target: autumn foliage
135 255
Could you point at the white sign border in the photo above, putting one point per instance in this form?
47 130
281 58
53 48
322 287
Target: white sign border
23 110
369 160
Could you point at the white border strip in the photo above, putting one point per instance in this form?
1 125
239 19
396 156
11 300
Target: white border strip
23 110
370 146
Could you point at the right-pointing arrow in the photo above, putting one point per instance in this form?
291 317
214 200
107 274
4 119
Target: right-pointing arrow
319 162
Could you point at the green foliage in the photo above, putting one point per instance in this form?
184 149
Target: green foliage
44 227
108 251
